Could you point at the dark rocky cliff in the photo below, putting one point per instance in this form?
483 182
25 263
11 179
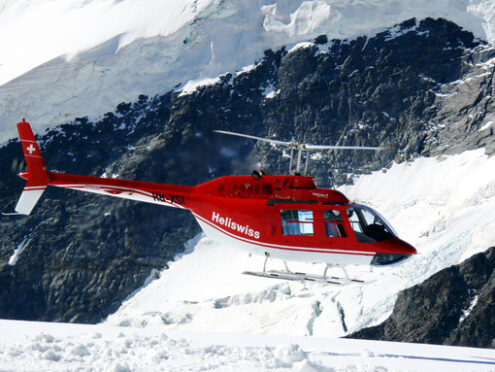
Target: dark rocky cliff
83 254
453 307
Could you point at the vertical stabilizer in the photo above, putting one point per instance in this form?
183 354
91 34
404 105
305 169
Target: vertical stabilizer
37 174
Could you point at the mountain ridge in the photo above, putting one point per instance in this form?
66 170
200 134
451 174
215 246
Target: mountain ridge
452 307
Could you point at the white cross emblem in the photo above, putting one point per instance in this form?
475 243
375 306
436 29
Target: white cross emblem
31 149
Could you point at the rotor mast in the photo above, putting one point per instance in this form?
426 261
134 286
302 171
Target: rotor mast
301 147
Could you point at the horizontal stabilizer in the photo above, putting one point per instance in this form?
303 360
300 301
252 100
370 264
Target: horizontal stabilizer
29 198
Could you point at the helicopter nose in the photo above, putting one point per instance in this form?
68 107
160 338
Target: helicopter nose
396 251
404 247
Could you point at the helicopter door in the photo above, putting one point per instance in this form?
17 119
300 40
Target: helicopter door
334 225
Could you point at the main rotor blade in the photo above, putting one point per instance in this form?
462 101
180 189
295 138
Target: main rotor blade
325 147
303 146
276 142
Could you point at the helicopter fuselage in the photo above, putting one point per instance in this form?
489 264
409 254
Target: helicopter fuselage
280 216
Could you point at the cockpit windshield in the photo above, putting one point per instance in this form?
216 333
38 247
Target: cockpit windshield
369 225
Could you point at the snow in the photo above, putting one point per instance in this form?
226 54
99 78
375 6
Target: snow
269 92
17 252
192 85
465 313
309 17
246 69
396 31
62 347
301 45
31 29
487 125
485 10
316 156
443 206
60 60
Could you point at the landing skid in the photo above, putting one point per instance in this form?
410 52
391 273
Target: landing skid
289 275
302 277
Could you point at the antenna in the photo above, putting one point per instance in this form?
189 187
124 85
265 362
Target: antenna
300 147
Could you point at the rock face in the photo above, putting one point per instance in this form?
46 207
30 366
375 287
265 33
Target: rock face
453 307
79 255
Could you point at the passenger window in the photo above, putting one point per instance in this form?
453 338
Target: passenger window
333 224
297 222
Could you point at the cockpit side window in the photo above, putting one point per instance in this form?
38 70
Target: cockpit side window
368 225
354 220
333 224
297 222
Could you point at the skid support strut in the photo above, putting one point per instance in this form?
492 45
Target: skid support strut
267 256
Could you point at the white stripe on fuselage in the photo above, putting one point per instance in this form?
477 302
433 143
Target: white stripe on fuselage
286 247
290 253
132 193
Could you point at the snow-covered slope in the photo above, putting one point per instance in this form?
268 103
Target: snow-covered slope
61 347
443 206
60 60
35 32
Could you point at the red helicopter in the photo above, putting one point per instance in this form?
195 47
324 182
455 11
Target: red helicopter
279 216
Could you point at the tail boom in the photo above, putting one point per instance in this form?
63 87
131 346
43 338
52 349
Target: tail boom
157 193
38 178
